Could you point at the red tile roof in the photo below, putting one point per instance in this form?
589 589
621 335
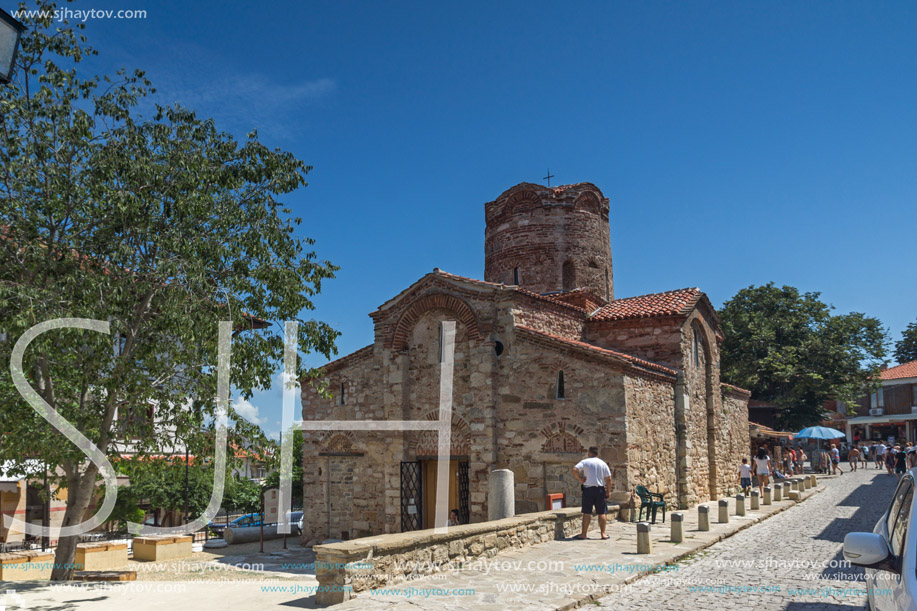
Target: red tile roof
905 370
597 350
669 303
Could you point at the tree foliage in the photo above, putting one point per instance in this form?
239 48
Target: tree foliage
787 348
906 347
161 225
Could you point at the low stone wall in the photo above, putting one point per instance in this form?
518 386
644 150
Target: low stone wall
25 566
347 568
155 549
101 556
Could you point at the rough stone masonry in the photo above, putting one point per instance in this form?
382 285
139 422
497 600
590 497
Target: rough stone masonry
547 363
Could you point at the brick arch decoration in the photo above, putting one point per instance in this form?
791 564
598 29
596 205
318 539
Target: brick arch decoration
589 202
427 442
520 202
430 302
339 443
562 438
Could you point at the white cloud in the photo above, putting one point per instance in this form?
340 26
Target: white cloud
246 409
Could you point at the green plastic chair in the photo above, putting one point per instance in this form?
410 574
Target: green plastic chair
650 501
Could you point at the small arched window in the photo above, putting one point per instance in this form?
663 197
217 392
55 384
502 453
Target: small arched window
516 276
561 391
568 273
697 348
342 393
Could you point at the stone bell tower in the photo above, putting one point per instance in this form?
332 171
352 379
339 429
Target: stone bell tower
549 239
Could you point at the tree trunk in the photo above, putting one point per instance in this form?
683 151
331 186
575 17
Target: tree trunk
77 502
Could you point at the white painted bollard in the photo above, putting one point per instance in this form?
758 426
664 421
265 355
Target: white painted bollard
755 500
767 495
644 543
724 511
501 501
778 493
740 504
703 517
678 527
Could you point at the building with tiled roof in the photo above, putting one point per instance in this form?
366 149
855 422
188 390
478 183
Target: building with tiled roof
888 411
547 362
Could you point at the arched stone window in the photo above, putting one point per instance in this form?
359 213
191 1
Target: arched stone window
568 273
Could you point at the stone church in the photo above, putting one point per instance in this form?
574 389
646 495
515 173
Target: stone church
547 363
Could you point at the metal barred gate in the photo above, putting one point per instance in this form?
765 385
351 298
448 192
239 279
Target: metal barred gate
464 510
411 495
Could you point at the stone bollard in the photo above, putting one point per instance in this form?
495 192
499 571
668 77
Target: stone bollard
501 498
813 480
778 493
786 489
724 511
644 543
794 495
703 517
767 495
755 500
740 504
678 527
806 482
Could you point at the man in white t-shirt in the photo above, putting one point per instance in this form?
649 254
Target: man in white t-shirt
595 476
880 455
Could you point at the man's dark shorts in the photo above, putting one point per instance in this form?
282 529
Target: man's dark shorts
594 497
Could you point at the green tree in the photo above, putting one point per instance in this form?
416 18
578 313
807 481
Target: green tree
242 495
162 226
906 347
787 348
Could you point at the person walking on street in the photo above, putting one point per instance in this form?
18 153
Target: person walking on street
745 476
890 460
880 455
801 461
900 462
835 460
763 468
853 457
595 476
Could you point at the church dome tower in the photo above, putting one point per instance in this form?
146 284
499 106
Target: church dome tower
549 239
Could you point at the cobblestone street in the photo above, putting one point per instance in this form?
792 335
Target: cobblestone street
792 561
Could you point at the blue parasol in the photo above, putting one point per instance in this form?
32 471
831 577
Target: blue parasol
819 432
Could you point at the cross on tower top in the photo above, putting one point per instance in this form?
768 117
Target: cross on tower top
549 177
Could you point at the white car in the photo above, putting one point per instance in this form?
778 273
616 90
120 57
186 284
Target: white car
889 552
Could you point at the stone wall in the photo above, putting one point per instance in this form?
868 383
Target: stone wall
657 340
733 442
540 437
345 570
651 443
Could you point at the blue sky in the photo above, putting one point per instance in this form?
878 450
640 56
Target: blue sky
739 143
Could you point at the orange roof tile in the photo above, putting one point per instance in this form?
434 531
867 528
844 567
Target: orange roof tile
905 370
669 303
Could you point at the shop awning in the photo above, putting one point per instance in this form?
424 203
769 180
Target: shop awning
759 430
886 419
